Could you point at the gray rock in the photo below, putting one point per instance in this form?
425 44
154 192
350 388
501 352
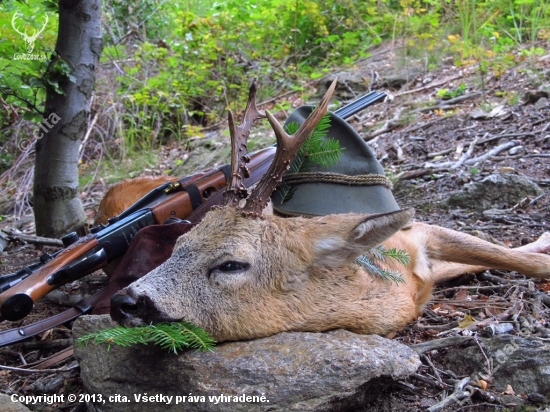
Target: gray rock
510 400
6 405
523 363
499 191
541 103
333 371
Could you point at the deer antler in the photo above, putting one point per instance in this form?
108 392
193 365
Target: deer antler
236 191
287 148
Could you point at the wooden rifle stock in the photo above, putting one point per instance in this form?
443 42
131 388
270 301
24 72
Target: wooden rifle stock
18 301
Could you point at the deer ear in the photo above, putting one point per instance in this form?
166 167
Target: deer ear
376 228
356 234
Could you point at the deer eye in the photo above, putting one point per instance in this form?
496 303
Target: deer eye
233 266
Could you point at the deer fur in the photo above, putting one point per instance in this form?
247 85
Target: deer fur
241 275
297 274
124 194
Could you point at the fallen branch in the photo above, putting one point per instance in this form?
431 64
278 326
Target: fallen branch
30 371
47 345
479 159
446 166
428 346
86 137
430 86
448 104
487 140
37 240
419 173
434 369
388 126
4 241
506 135
446 326
536 199
458 394
428 380
486 276
467 155
441 153
424 126
399 151
479 405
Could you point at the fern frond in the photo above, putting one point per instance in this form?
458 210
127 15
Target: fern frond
174 336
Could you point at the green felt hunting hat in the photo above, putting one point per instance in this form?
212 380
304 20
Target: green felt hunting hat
356 184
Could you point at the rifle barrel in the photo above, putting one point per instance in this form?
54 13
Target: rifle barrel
359 104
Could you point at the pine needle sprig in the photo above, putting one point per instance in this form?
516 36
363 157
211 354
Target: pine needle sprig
380 253
174 336
115 336
400 255
315 150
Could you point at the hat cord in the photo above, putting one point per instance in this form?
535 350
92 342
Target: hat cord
337 178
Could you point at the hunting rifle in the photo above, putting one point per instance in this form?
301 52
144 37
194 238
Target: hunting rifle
189 198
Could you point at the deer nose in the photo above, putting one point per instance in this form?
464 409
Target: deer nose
131 311
123 307
128 310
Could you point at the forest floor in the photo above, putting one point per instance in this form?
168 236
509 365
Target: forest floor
420 127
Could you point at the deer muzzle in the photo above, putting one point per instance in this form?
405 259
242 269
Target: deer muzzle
135 311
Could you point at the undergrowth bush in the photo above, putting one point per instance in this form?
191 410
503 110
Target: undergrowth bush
169 65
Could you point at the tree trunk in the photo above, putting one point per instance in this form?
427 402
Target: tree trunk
57 205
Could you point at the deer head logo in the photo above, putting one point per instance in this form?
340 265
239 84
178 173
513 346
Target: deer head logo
29 39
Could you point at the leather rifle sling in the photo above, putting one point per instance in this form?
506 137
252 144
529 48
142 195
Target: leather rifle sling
15 335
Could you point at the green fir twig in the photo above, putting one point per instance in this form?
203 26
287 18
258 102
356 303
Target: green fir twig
380 253
315 150
174 337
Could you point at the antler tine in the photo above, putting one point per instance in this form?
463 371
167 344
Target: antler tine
287 148
236 191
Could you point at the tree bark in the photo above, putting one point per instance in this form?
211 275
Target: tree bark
57 205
